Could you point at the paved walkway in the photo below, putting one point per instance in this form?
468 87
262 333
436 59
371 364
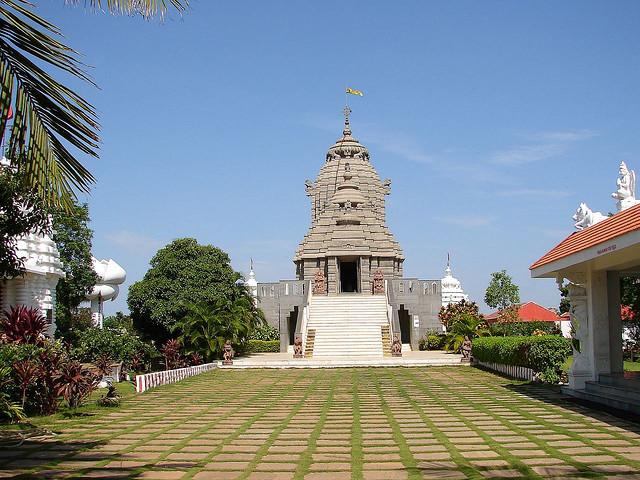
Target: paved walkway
370 423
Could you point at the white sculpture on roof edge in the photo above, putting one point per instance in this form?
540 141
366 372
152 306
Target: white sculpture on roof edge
585 217
625 193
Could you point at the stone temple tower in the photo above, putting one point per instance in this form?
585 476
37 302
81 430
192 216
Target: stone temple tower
348 241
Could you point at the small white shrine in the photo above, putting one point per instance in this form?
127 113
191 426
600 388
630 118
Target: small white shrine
252 283
37 287
110 277
452 291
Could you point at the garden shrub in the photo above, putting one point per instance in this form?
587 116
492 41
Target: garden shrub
265 332
522 329
115 344
432 342
545 355
262 346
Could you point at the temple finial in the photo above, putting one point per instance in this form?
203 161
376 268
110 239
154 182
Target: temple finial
347 126
251 267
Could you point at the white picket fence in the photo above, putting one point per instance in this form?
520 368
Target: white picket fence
155 379
523 373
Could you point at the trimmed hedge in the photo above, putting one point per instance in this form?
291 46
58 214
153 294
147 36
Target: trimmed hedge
543 354
262 346
518 329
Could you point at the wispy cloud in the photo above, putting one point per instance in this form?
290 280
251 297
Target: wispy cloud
134 242
524 154
468 221
533 192
541 146
564 135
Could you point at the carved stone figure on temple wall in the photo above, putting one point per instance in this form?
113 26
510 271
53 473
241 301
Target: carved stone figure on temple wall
378 282
319 283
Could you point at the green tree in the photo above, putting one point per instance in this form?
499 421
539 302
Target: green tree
205 327
49 119
465 326
21 214
73 238
181 273
452 312
565 305
501 292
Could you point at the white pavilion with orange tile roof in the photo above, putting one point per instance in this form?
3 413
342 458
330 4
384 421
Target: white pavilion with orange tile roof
593 260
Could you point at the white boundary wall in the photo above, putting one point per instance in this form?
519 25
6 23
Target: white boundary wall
155 379
523 373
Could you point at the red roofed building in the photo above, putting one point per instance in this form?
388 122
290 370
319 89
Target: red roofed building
528 312
592 260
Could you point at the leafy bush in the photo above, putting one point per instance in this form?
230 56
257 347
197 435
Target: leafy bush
75 383
545 355
432 342
265 332
114 344
21 324
262 346
522 329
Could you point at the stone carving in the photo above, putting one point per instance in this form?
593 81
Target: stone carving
386 185
378 281
579 325
319 283
396 346
465 349
585 217
309 187
625 193
227 355
297 347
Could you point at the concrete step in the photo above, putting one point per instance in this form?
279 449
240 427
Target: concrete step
629 380
626 391
613 401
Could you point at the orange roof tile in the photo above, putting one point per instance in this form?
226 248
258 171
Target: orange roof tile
619 224
529 312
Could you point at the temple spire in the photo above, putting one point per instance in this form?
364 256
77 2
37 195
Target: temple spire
347 126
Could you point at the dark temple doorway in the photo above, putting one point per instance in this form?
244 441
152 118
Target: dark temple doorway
405 325
348 276
292 321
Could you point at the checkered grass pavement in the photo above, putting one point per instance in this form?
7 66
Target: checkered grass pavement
366 423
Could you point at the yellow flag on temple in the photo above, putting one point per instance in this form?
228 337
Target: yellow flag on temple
353 91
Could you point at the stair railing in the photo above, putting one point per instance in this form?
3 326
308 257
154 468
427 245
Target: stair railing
305 315
388 293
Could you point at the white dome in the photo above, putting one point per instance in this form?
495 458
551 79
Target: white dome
451 288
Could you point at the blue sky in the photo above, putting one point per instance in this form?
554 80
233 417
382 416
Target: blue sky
493 119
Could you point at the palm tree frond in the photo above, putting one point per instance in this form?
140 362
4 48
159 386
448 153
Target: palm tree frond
145 8
49 118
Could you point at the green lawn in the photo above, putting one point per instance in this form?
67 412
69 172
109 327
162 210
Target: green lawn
628 366
366 423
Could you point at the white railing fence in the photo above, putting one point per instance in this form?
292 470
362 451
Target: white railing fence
515 371
155 379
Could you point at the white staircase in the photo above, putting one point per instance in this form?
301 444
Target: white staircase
347 325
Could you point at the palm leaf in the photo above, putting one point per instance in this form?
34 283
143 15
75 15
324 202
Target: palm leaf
146 8
50 119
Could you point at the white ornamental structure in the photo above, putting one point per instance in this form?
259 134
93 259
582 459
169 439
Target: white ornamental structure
37 287
252 283
110 276
451 287
625 194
